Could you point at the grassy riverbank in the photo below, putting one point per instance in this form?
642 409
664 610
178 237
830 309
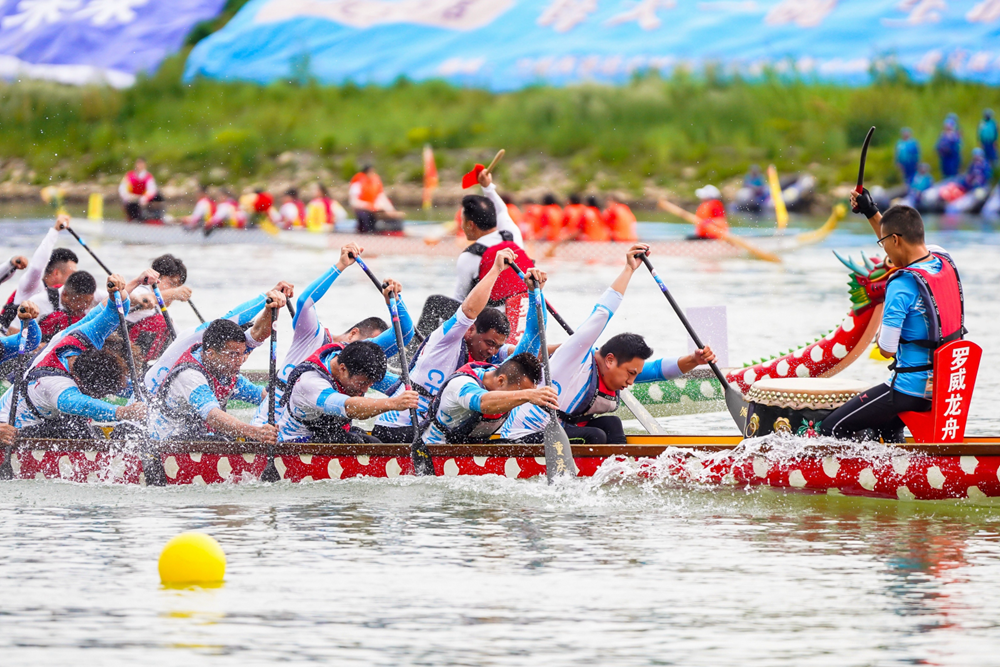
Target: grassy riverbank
665 132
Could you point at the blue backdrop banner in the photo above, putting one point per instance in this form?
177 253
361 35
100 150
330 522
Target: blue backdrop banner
506 44
80 41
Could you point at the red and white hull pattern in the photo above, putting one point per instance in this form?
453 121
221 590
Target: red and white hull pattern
908 472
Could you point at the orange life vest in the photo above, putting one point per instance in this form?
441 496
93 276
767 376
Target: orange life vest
533 221
621 222
371 188
552 221
594 228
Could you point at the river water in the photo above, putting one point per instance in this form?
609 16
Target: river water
490 571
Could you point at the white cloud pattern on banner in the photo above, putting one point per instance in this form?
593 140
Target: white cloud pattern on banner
803 13
919 12
644 13
34 13
103 12
564 15
451 14
986 11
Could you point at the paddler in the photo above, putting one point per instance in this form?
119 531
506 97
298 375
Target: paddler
621 221
15 263
228 213
292 213
137 191
309 334
204 210
367 197
949 147
475 401
583 222
474 333
64 390
923 310
27 312
907 155
48 269
589 379
711 214
980 173
323 210
147 327
552 218
189 402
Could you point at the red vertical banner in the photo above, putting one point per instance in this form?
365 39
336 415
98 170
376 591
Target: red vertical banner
955 368
430 176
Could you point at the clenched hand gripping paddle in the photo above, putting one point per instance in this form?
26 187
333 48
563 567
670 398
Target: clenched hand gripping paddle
737 405
423 464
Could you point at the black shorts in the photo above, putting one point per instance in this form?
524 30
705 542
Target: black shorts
873 415
603 430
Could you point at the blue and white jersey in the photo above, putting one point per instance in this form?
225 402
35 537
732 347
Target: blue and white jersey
308 335
573 368
312 399
460 400
55 396
905 317
442 356
189 399
242 315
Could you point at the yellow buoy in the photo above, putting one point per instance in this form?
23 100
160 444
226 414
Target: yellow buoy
95 206
192 559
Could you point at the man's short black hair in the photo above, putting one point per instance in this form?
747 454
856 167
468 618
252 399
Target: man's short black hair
905 221
168 265
59 257
370 327
574 198
363 357
492 319
99 373
480 211
521 366
549 200
626 347
292 192
221 332
81 282
592 201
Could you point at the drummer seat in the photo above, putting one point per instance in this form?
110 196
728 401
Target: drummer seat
956 365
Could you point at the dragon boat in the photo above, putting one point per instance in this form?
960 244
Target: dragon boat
429 239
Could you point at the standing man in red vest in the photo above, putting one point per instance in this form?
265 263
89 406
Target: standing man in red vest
138 190
924 309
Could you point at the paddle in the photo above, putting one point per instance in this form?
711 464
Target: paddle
7 468
780 210
737 405
197 314
152 466
864 157
423 464
754 251
496 160
87 248
558 452
270 472
637 409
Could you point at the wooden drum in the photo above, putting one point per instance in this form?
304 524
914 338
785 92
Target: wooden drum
796 405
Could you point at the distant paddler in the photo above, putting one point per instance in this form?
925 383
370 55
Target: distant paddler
687 216
204 210
711 213
368 199
323 211
138 191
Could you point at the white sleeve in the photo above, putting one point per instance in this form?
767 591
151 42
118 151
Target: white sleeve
31 281
566 360
504 221
123 190
201 209
354 195
467 271
151 188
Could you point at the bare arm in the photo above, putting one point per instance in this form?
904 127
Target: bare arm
496 402
222 422
632 262
480 294
362 407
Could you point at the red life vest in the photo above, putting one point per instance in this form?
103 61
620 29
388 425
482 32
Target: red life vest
478 427
263 202
51 364
222 389
150 334
508 284
137 184
943 299
212 206
56 321
318 363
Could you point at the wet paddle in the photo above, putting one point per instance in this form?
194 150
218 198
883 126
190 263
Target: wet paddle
737 405
197 314
558 452
7 467
637 409
423 464
736 241
152 465
864 157
87 248
270 472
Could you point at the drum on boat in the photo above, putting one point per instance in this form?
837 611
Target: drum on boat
796 405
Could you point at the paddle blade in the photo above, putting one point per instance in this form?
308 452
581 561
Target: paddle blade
780 211
738 408
423 464
558 452
270 474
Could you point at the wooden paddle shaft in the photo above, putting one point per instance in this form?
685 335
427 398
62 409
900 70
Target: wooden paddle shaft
499 156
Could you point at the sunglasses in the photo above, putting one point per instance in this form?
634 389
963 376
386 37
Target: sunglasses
881 241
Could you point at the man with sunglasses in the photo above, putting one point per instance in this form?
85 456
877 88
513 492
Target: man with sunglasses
923 310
